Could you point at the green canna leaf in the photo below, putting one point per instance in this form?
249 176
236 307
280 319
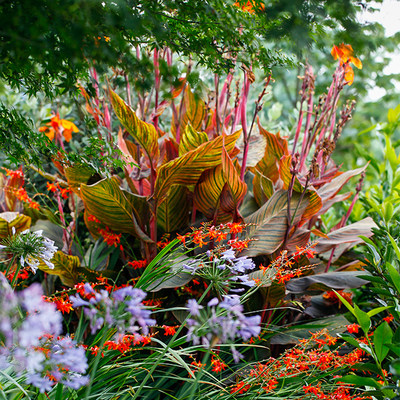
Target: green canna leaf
270 222
173 212
118 209
13 219
187 169
145 134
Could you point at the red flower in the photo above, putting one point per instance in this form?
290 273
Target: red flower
353 328
389 318
217 364
169 330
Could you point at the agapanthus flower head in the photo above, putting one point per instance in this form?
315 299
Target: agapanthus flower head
30 248
123 309
221 322
30 342
224 270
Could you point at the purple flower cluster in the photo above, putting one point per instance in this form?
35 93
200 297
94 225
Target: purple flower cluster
222 322
28 335
223 271
122 310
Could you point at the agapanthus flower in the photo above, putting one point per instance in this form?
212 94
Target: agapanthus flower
224 270
123 309
221 322
30 341
30 248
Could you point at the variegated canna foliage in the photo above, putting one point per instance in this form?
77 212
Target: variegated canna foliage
195 171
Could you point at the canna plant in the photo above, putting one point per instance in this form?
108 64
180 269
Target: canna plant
196 170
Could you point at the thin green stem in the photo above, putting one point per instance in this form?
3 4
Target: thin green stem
161 356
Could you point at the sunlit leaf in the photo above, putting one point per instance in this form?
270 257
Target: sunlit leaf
78 174
193 112
186 170
118 209
12 219
145 134
65 266
191 139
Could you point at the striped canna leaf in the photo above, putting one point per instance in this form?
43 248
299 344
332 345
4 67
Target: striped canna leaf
187 169
220 191
78 174
270 222
191 139
145 134
193 111
173 212
13 219
118 209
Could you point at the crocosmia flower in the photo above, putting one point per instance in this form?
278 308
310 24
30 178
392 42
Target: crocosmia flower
345 53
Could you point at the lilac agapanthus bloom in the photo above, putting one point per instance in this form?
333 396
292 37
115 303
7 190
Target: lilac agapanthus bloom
225 270
123 310
224 322
29 330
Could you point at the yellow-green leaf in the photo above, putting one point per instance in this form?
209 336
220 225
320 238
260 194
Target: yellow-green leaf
78 174
173 213
186 169
193 112
66 267
12 219
116 208
191 139
145 134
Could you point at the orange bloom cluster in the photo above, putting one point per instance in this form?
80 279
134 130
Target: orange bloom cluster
240 388
22 275
389 318
54 187
353 328
300 360
169 330
22 195
111 238
137 264
217 364
14 174
340 393
206 233
56 126
123 345
156 303
345 53
62 302
332 298
164 242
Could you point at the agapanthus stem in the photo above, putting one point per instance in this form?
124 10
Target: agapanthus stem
162 354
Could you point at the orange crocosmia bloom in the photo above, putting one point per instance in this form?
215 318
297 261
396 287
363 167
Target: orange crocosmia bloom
344 52
353 328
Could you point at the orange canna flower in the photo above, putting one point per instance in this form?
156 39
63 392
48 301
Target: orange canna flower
250 6
344 52
59 125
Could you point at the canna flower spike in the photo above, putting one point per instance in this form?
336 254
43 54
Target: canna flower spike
344 52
